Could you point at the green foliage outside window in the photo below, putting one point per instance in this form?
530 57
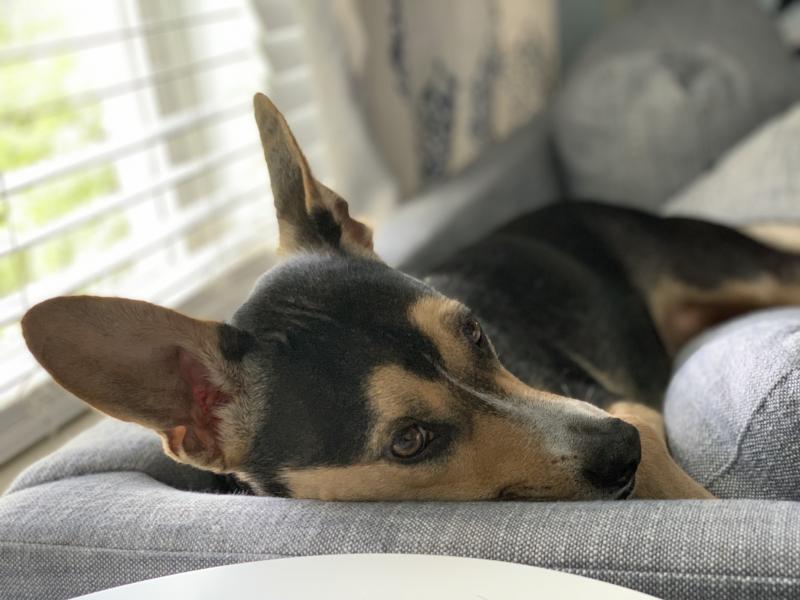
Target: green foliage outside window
38 123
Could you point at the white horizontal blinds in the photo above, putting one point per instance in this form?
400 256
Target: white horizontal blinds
129 161
282 43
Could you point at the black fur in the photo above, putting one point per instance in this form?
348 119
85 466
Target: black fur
323 323
568 281
234 343
549 290
561 293
329 230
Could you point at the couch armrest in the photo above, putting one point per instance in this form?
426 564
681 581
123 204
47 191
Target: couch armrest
112 446
732 410
78 535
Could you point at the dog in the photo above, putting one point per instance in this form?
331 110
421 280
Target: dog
529 366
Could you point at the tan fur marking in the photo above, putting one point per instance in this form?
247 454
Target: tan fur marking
681 311
511 385
497 456
658 475
436 318
391 388
395 393
781 236
514 387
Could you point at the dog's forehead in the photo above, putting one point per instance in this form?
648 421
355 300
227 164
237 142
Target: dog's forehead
345 289
324 325
354 314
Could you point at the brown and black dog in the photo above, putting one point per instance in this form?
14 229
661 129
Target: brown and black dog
341 378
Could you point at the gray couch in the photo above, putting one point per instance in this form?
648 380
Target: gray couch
110 508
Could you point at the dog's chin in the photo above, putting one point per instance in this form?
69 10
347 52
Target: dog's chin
625 492
517 494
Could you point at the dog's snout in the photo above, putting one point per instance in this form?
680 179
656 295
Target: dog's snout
613 453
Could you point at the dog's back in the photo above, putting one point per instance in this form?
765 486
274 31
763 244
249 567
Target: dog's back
592 301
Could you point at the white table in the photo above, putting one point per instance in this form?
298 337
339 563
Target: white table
370 576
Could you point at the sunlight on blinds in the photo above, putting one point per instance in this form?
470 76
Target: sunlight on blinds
129 161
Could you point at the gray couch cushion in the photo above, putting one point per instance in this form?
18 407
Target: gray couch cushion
758 181
64 531
657 98
733 407
113 446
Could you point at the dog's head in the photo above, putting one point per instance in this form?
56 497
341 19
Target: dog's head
340 378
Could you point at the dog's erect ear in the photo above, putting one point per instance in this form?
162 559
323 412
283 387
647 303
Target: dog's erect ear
310 215
139 362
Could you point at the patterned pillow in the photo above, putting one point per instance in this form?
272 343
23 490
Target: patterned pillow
733 407
429 85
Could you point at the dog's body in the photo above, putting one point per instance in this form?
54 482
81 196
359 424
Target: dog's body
592 301
341 378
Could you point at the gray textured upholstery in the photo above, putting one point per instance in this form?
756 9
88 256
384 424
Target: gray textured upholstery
733 407
110 508
664 93
758 181
63 535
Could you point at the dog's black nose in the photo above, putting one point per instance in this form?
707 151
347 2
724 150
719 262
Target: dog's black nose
613 454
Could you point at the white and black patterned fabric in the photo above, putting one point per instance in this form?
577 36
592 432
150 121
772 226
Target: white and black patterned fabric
426 85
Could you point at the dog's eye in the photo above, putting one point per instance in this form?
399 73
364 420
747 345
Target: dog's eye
473 331
410 441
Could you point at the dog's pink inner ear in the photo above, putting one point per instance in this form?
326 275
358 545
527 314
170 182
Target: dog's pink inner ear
200 434
352 230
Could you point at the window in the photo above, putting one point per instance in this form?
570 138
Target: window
129 161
